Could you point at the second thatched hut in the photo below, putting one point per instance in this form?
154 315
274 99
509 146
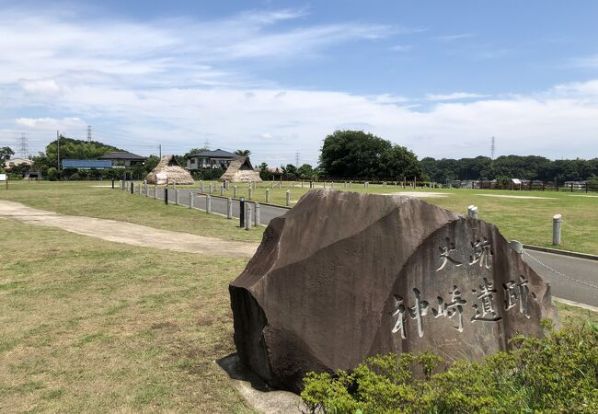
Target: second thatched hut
240 170
168 171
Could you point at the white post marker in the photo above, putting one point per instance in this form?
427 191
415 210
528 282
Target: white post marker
191 199
472 211
229 208
557 219
248 214
208 204
288 198
176 197
257 215
267 195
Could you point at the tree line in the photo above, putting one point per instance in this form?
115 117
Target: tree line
345 154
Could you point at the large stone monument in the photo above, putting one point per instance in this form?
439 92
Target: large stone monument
343 276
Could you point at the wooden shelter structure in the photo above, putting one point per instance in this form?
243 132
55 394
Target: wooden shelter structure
168 171
240 170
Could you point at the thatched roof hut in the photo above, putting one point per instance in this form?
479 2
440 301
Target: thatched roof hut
168 171
240 170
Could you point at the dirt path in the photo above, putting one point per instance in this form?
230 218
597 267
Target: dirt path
128 233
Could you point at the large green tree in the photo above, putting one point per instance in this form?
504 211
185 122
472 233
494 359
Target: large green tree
361 155
352 154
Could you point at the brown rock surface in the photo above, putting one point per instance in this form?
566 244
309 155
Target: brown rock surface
343 276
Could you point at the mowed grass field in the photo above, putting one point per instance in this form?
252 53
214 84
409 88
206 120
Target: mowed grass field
93 326
528 220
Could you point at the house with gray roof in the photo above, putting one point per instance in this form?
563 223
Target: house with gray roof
210 159
123 158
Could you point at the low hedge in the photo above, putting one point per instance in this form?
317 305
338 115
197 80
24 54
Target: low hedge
556 374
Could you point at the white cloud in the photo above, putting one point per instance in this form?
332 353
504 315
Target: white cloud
51 124
454 96
181 82
43 86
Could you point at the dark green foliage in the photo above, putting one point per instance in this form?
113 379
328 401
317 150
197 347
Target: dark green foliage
5 154
77 149
530 167
361 155
52 174
556 374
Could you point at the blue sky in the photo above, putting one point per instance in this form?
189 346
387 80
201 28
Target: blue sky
276 77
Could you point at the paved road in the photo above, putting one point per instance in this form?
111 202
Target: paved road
571 278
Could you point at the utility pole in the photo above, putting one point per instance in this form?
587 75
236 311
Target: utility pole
58 150
88 133
160 150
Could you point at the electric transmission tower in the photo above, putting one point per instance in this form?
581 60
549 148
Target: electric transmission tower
492 148
88 133
23 146
297 159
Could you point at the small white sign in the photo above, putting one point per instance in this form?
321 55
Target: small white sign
2 177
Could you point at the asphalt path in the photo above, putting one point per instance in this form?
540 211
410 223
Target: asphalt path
571 278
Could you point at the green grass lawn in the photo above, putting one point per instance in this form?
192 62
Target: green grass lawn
526 220
93 326
93 199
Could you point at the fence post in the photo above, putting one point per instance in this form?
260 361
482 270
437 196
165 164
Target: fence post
242 212
222 190
208 204
229 208
210 188
132 188
556 229
190 198
201 189
311 184
140 189
267 195
155 192
113 183
288 198
586 187
248 216
165 195
249 193
571 187
234 191
257 216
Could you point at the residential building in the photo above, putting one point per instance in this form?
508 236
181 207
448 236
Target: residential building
210 159
123 158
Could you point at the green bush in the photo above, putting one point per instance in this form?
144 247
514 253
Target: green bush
556 374
52 174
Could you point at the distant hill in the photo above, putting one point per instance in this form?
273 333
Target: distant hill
78 149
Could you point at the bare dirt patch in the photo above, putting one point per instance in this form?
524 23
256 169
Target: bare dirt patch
128 233
419 194
516 197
